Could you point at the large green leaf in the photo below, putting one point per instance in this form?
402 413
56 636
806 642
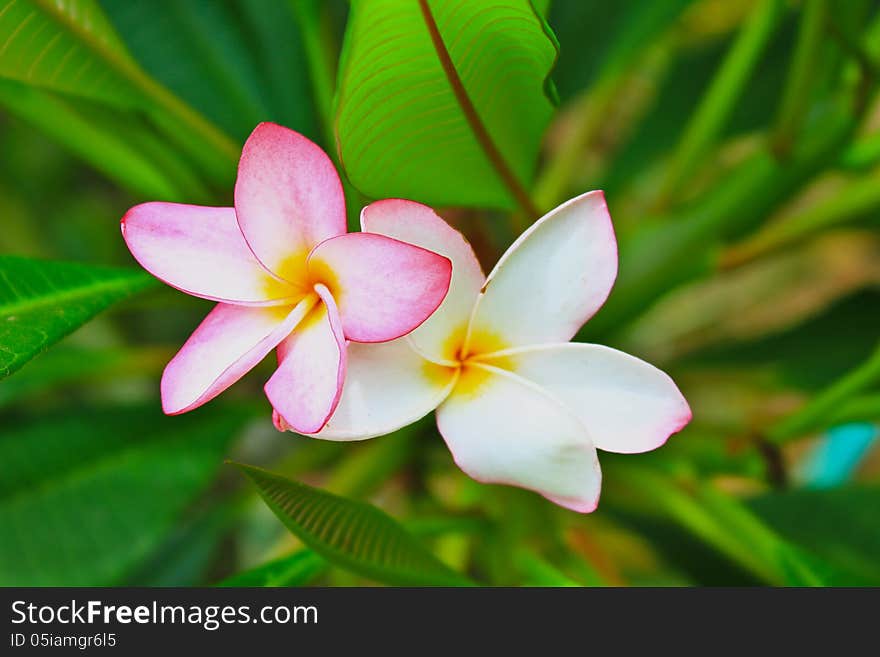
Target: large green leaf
69 46
86 495
351 534
840 526
444 101
42 301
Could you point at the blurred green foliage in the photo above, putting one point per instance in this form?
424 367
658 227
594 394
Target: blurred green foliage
739 147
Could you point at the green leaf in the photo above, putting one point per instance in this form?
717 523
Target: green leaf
799 354
678 247
838 526
193 48
444 101
857 199
282 64
350 534
725 92
43 301
603 39
716 519
83 501
812 416
297 569
236 61
117 143
603 48
69 46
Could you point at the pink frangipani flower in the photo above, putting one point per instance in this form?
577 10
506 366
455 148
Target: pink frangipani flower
286 275
517 403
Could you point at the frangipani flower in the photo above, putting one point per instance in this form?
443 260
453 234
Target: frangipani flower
516 402
286 275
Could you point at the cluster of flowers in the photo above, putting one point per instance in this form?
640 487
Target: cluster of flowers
375 329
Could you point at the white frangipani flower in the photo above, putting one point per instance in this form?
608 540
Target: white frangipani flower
516 402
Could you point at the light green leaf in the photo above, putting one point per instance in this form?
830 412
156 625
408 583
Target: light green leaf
117 143
350 534
43 301
445 102
297 569
82 502
65 45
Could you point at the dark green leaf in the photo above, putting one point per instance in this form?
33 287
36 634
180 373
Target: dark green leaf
602 37
237 62
83 501
800 354
350 534
186 555
444 101
297 569
42 301
840 526
193 47
717 519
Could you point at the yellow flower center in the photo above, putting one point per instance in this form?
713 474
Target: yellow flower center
471 355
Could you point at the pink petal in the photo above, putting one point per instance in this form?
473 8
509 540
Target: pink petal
288 198
306 387
385 288
202 252
501 429
554 277
227 344
418 224
626 404
387 386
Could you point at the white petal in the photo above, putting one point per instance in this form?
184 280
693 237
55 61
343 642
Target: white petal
387 386
438 337
553 279
307 385
626 404
502 429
